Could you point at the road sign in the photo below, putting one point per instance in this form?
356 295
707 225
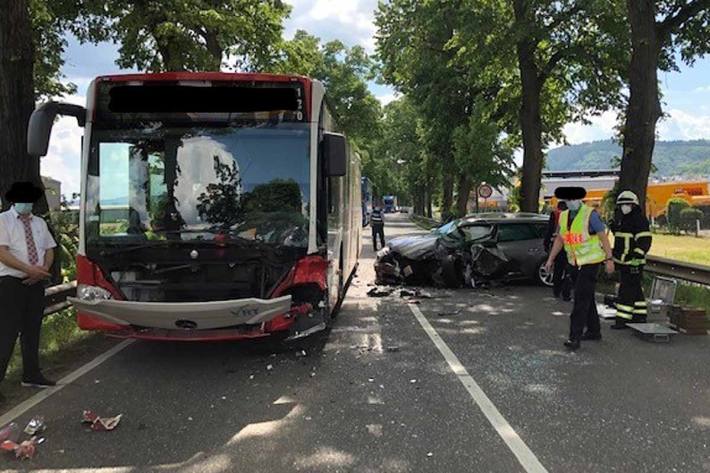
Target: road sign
485 191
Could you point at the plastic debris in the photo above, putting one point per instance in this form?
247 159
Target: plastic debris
23 450
100 424
412 381
10 432
430 454
269 367
35 426
392 348
251 376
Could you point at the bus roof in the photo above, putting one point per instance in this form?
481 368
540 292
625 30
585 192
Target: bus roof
203 76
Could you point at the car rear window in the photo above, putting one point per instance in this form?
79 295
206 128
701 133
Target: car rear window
516 232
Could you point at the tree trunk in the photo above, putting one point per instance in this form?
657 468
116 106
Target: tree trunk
215 50
464 193
447 180
644 108
16 98
530 116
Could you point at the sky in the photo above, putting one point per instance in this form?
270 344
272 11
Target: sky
686 94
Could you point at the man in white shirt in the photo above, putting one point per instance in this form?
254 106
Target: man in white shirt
26 256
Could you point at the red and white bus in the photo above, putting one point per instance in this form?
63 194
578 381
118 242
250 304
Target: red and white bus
214 206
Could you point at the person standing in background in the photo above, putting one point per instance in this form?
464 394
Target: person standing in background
632 241
26 256
377 222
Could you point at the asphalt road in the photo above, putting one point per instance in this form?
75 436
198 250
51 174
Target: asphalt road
377 395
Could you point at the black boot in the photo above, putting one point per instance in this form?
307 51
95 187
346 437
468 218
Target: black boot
592 336
619 325
572 344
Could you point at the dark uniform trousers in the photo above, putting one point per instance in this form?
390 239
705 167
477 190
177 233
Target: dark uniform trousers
21 313
378 229
561 280
584 311
630 302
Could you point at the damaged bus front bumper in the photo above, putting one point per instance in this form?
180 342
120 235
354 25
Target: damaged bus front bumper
199 321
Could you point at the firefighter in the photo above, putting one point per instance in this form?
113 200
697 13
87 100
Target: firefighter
377 222
582 234
561 283
632 240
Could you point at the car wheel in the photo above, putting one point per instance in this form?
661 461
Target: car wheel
544 276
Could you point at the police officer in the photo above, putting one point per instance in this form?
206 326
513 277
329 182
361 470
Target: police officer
582 234
377 222
561 283
632 241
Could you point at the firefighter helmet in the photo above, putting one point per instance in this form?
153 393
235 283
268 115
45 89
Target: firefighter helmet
627 197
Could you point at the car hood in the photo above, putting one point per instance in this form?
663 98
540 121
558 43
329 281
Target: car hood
414 246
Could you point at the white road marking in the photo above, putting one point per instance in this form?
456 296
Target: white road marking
525 456
23 407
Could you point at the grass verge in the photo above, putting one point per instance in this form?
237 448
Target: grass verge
682 248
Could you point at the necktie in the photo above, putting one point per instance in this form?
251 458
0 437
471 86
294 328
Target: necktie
29 239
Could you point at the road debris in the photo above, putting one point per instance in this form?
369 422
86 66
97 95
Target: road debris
10 432
450 312
26 449
35 426
412 381
392 349
269 367
23 450
380 291
430 454
100 424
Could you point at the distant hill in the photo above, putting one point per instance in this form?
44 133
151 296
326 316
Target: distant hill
672 158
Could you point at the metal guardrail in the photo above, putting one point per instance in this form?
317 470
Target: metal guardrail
690 272
55 297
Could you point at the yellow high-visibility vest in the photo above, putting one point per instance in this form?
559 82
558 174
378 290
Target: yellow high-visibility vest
581 247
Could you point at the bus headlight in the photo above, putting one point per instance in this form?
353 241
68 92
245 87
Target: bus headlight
92 293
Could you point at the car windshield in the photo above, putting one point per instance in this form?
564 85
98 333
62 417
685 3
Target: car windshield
200 183
458 230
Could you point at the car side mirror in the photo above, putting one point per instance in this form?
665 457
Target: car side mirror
335 152
40 125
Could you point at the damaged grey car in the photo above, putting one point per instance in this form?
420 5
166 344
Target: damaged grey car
468 252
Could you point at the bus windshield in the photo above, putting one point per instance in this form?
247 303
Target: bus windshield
226 183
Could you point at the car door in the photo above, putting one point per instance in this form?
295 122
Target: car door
521 244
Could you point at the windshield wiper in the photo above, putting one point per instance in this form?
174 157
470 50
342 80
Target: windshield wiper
128 249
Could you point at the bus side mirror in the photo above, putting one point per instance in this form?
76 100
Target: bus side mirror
40 126
335 152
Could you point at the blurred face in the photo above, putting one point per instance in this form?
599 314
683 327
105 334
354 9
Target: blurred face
23 208
574 204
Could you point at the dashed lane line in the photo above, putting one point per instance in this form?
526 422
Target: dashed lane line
23 407
522 452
